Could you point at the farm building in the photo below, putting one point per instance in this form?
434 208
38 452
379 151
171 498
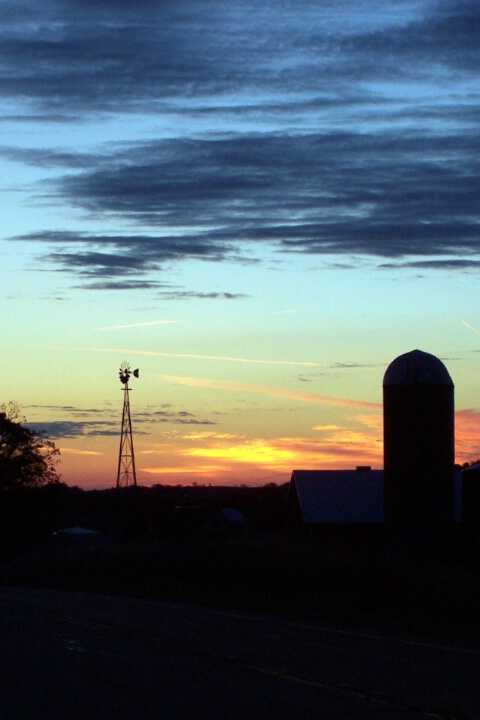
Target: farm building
344 497
323 497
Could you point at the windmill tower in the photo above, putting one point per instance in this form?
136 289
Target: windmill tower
126 459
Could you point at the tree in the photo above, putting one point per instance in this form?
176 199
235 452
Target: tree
28 458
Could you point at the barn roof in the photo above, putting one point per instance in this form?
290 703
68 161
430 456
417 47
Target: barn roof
338 496
348 496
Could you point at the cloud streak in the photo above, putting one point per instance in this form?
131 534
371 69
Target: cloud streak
238 387
470 327
222 358
136 325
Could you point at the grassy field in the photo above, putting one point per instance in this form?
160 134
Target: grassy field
331 578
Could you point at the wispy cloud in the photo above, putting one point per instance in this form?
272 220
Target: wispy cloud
77 451
239 387
142 324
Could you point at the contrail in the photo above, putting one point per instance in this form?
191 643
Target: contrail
222 358
470 327
154 322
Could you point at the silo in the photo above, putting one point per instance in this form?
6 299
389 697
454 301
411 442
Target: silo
419 452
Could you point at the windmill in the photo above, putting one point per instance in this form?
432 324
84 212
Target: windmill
126 459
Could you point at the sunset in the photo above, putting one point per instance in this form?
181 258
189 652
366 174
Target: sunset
240 388
258 204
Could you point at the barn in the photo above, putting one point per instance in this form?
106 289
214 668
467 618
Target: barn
324 497
344 497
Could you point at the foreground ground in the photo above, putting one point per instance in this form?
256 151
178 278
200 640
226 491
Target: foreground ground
71 655
337 577
174 545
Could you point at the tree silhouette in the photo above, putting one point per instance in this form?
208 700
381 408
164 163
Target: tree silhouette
28 458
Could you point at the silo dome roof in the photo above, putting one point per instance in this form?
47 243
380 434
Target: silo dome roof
417 368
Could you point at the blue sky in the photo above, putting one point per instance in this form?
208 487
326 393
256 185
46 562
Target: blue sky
261 204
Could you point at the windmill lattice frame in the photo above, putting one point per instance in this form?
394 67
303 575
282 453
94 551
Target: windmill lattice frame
126 473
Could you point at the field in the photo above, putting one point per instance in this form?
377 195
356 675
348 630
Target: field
335 575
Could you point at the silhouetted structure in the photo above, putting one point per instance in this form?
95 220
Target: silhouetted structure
126 474
336 497
418 397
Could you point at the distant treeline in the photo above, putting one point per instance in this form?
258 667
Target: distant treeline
29 516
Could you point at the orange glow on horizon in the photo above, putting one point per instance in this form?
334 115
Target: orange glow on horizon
237 457
256 452
467 435
246 458
175 470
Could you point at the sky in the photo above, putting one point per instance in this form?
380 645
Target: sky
258 203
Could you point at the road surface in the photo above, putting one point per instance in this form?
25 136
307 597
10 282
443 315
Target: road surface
68 656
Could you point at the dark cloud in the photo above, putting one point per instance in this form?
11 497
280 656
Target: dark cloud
105 55
378 194
445 34
43 158
193 421
123 261
442 264
95 264
74 428
181 417
121 285
191 295
347 159
308 377
144 422
58 408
